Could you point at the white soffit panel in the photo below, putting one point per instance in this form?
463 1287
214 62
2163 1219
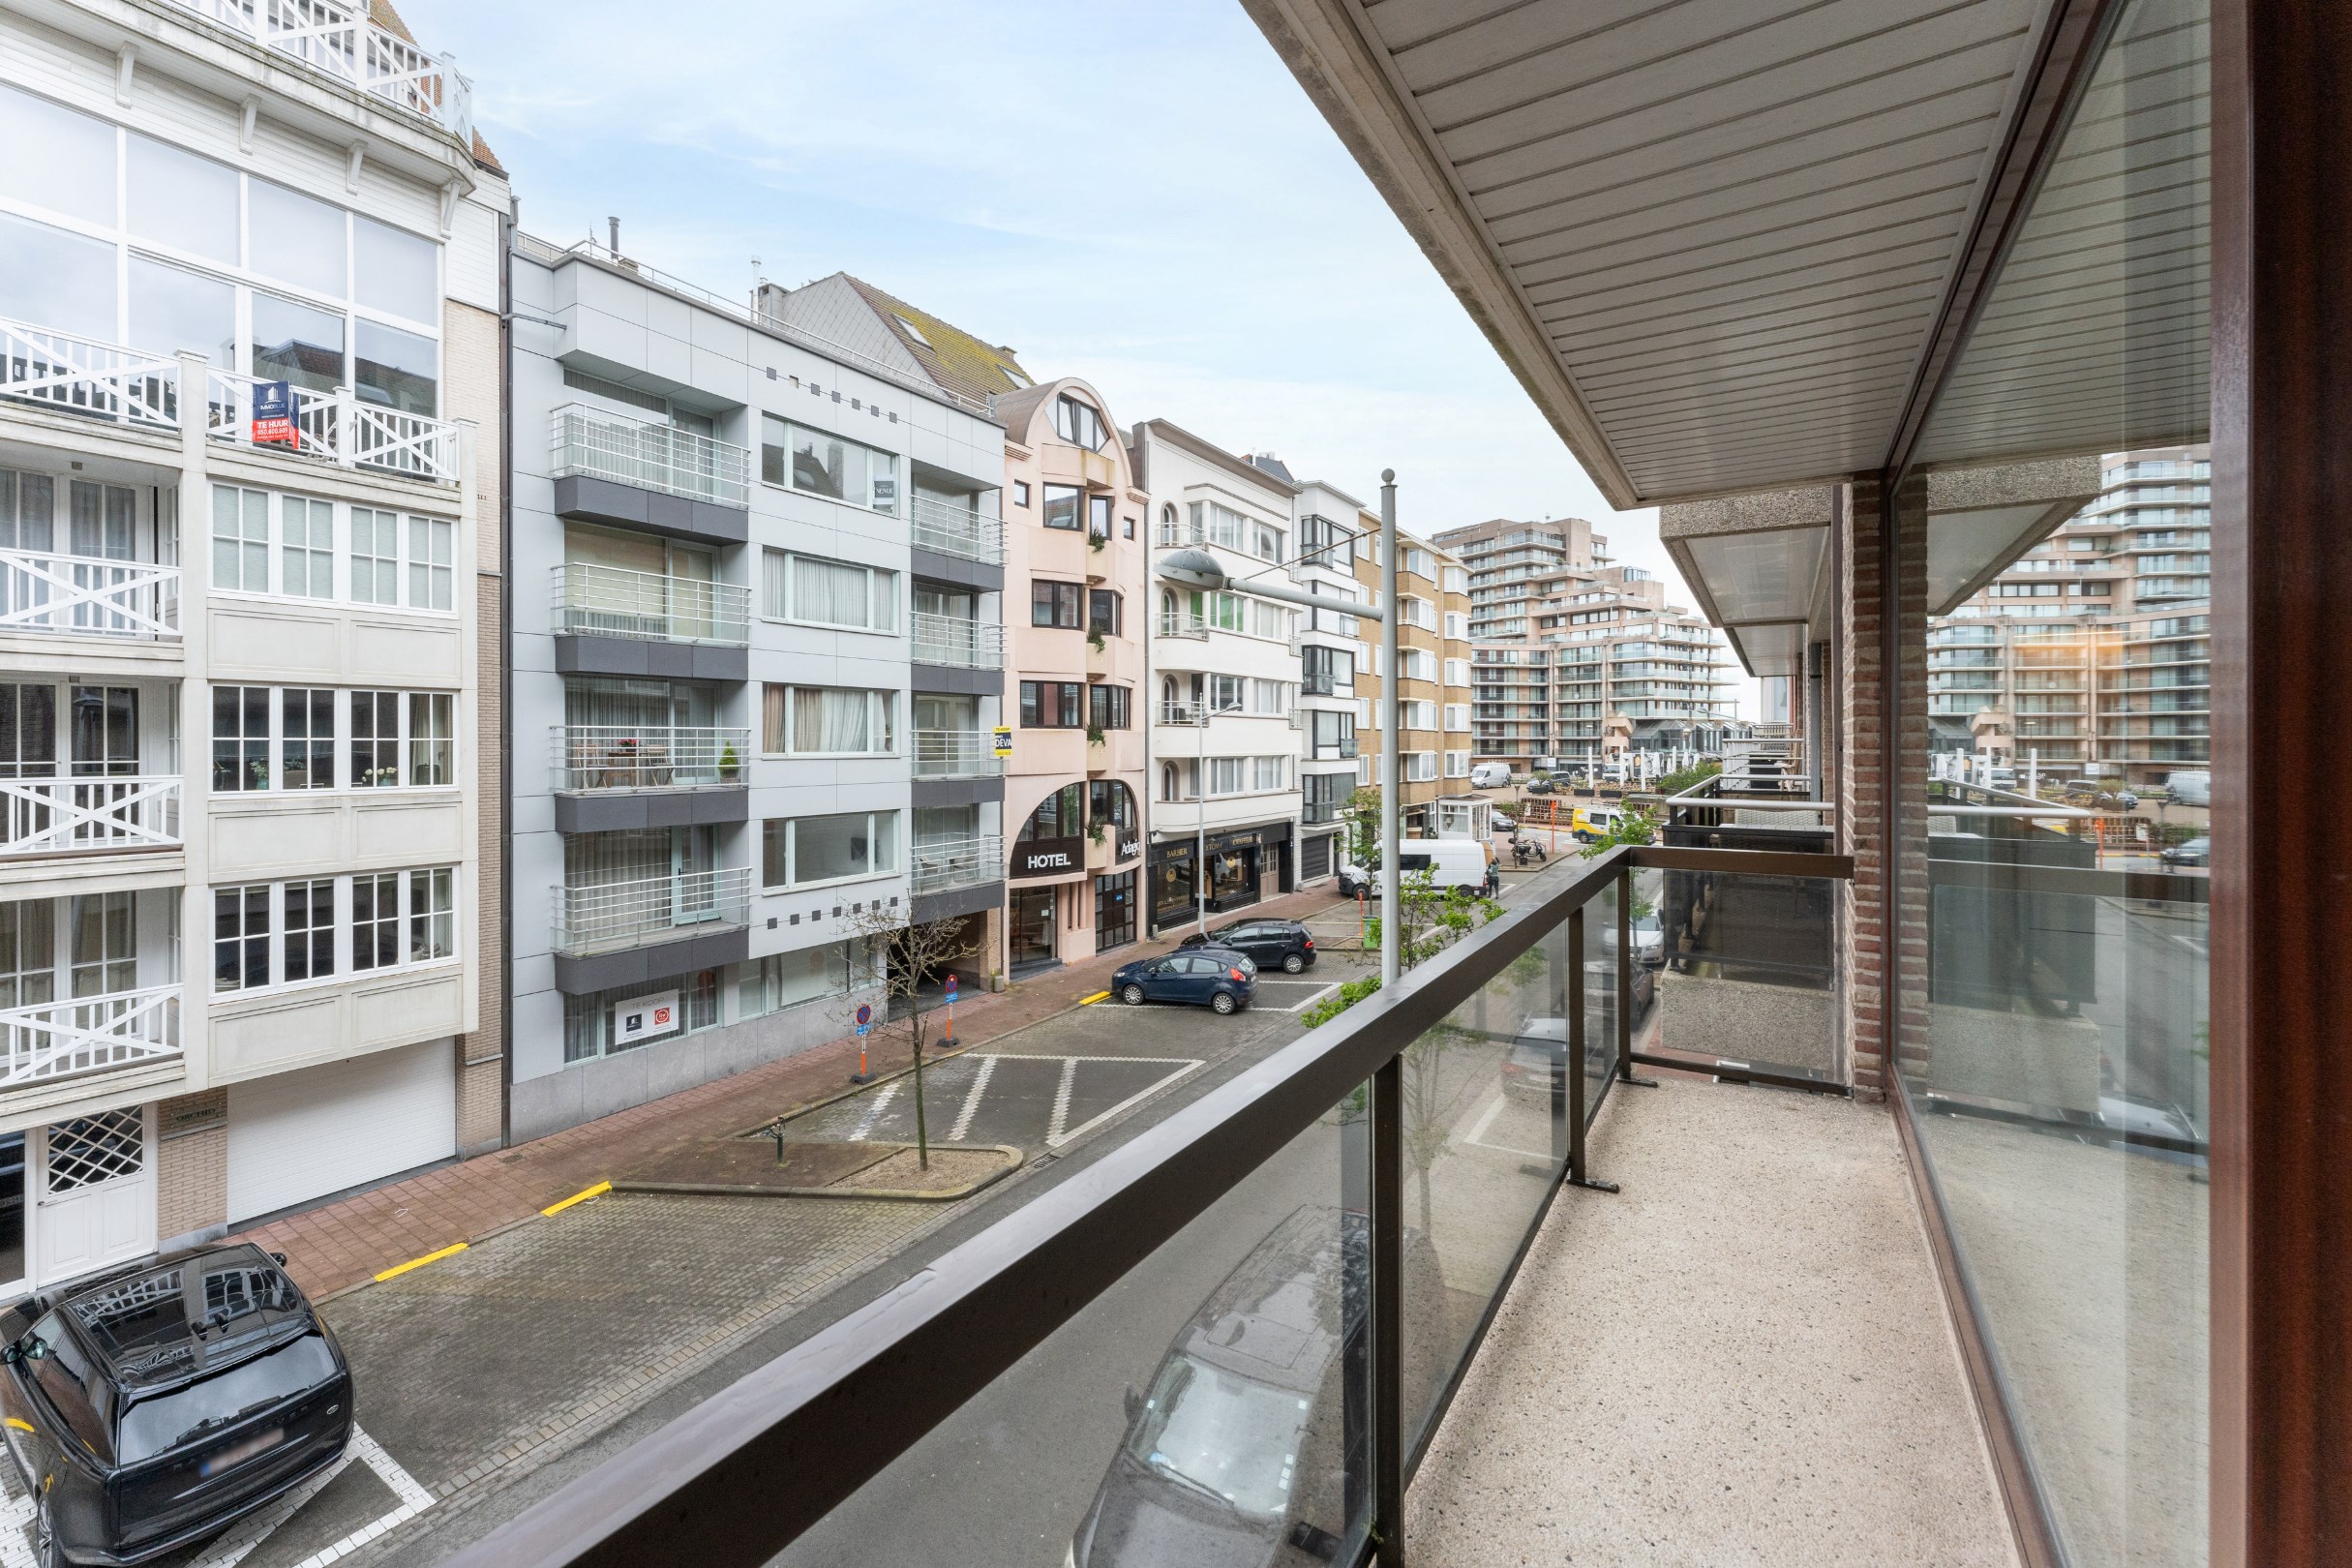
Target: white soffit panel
1762 575
1731 222
1776 649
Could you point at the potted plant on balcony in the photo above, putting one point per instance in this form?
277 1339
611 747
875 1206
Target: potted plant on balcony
1097 541
1094 735
731 767
1094 639
1095 830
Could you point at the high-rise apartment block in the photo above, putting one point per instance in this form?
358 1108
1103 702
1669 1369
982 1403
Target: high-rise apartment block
1433 738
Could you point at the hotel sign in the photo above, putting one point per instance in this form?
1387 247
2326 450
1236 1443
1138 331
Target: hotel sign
1048 856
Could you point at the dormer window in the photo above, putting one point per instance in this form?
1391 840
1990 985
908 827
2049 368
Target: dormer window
1078 424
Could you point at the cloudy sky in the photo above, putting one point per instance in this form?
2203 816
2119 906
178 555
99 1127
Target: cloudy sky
1130 191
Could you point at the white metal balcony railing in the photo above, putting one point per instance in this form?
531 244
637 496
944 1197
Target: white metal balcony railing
343 40
61 816
603 916
1181 625
613 601
958 862
594 757
956 754
596 443
70 374
86 596
89 1034
955 640
957 530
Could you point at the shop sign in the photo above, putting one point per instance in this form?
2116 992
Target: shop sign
645 1017
1130 845
1003 742
1048 856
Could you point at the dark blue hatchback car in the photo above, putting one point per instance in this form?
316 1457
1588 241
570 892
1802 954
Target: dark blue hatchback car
1224 979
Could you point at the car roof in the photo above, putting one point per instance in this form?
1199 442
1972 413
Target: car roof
1275 1317
170 1321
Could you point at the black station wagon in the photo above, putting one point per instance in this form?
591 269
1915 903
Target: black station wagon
150 1409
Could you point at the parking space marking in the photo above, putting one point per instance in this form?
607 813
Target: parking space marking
399 1269
1089 1001
1313 999
582 1196
873 1112
972 1100
1476 1138
1054 1139
1061 1103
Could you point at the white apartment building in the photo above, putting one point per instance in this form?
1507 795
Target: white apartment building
1327 537
1223 685
248 896
758 657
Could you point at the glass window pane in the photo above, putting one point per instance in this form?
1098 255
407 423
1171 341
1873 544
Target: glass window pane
397 370
293 237
395 270
56 158
173 310
51 279
179 199
828 847
297 343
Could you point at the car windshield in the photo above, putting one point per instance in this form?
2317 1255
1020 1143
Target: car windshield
1223 1434
145 1330
189 1412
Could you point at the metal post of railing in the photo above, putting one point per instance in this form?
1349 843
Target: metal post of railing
1625 996
1388 1312
1577 1047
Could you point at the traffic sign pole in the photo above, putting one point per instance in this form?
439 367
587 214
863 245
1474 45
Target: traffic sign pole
865 1022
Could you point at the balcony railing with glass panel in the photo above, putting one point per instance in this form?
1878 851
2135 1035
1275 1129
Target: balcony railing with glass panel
941 865
611 915
88 1034
597 443
592 758
957 530
958 640
75 816
613 601
956 754
341 39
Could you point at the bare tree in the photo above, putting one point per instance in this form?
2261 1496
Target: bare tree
909 954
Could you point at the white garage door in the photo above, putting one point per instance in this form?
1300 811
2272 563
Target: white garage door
298 1135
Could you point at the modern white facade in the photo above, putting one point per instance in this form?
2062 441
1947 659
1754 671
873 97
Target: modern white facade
758 657
1326 534
243 886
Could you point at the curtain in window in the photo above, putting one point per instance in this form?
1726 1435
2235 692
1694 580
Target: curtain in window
825 719
827 591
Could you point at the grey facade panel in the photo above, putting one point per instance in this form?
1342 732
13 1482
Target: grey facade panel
955 680
637 966
660 808
639 656
940 906
677 517
941 567
955 792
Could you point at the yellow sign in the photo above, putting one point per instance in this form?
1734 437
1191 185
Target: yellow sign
1003 742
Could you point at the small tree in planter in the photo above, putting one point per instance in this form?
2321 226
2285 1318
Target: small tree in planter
1097 541
730 765
1094 639
908 952
1094 735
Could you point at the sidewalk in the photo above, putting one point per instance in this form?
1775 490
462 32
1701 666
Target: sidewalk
341 1244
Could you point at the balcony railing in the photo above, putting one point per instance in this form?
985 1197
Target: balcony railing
612 601
958 640
338 427
74 375
86 596
1184 625
599 756
65 816
344 40
957 530
604 916
90 1034
941 864
1377 1181
956 754
595 443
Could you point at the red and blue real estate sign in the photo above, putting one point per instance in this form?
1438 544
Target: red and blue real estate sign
274 415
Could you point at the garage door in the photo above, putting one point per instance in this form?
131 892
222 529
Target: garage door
299 1136
1314 858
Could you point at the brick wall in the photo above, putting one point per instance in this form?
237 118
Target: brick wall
475 380
191 1165
1865 713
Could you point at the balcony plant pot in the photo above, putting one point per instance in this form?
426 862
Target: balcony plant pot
1097 541
1094 736
731 767
1093 640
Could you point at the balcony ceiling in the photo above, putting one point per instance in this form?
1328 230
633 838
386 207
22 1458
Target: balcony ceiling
1713 237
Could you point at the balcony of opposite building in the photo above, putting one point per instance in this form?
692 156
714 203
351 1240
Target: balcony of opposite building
611 777
625 932
649 474
956 875
612 621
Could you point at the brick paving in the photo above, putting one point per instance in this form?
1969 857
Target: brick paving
341 1244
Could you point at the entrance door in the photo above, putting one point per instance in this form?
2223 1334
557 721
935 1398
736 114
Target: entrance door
1033 927
94 1193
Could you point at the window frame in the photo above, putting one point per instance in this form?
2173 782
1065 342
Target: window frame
792 854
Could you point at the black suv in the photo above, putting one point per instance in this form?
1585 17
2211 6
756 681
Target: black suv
150 1409
1283 944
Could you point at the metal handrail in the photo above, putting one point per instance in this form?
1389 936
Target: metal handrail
613 601
738 1478
956 530
958 640
597 757
956 754
601 917
940 865
649 454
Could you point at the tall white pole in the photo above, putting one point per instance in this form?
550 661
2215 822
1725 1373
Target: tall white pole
1200 808
1391 772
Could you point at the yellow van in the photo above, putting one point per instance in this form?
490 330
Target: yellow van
1591 824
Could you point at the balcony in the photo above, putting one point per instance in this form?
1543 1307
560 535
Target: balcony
336 427
42 817
590 758
941 865
59 1040
957 642
619 933
343 41
956 530
956 754
647 607
648 454
51 595
1195 627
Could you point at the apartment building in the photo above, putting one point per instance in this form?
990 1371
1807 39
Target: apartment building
249 577
1225 718
2089 653
1516 566
1435 738
1326 524
758 665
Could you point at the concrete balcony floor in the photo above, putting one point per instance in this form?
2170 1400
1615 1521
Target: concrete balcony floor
1744 1358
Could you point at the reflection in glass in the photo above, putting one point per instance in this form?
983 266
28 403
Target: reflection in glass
295 343
395 271
293 237
396 370
56 158
173 310
179 199
54 280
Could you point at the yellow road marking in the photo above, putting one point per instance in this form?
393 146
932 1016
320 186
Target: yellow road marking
21 1425
582 1196
420 1262
1089 1001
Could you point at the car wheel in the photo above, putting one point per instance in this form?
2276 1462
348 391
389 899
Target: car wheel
1292 963
1222 1003
1133 996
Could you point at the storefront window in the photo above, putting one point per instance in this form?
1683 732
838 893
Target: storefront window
1114 911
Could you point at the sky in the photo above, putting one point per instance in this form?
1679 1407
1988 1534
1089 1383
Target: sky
1133 192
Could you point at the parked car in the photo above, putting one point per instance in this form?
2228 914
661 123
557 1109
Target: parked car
1222 979
152 1408
1540 786
1271 944
2197 851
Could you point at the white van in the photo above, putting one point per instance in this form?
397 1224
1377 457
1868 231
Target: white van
2192 787
1451 862
1489 775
